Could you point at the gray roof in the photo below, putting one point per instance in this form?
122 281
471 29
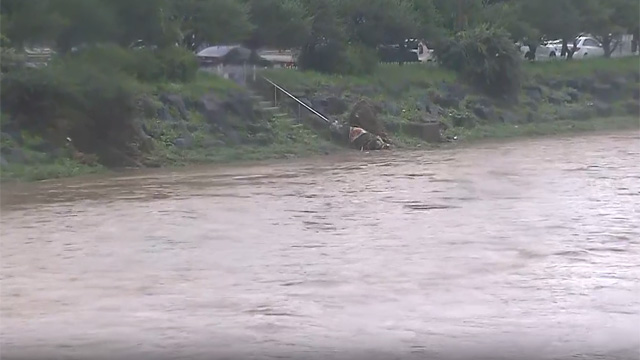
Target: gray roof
222 50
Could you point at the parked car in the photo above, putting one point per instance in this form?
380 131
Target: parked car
586 47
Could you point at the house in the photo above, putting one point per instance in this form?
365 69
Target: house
224 55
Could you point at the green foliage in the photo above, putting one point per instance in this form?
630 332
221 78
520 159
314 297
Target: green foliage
360 60
177 64
91 104
485 56
147 65
210 21
282 24
375 22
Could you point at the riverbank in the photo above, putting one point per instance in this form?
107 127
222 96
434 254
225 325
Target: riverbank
498 132
212 120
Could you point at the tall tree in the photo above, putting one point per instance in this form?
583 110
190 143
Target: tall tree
608 20
554 19
25 22
144 20
202 22
376 22
83 22
430 22
325 47
282 24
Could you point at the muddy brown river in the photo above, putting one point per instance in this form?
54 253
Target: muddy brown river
528 249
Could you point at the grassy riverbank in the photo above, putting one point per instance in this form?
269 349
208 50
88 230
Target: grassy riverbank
67 167
211 120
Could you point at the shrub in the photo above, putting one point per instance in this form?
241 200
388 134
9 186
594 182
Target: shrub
178 64
327 57
87 102
360 60
147 65
338 58
487 57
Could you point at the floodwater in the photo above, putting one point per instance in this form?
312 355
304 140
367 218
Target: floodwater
519 250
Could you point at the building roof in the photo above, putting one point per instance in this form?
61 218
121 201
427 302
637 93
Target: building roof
222 50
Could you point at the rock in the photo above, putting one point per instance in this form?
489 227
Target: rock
11 136
602 108
212 110
392 108
534 92
603 91
183 142
636 93
573 94
531 117
364 115
428 106
579 84
241 104
191 127
465 120
143 135
483 112
557 98
508 117
449 96
555 84
335 105
393 126
331 105
176 102
531 105
431 132
232 137
149 107
15 156
165 115
3 162
618 82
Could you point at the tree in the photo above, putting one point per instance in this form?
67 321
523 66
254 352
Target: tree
430 23
282 24
202 22
376 22
457 15
554 19
25 22
325 48
608 20
144 20
83 22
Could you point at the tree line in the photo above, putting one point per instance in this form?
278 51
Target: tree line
332 35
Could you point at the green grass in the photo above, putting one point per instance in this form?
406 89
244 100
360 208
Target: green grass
204 83
557 127
391 77
583 68
34 172
407 76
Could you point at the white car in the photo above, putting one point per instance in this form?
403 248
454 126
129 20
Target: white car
586 47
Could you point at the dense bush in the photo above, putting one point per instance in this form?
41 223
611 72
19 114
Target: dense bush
336 58
178 64
147 65
487 57
359 60
86 102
